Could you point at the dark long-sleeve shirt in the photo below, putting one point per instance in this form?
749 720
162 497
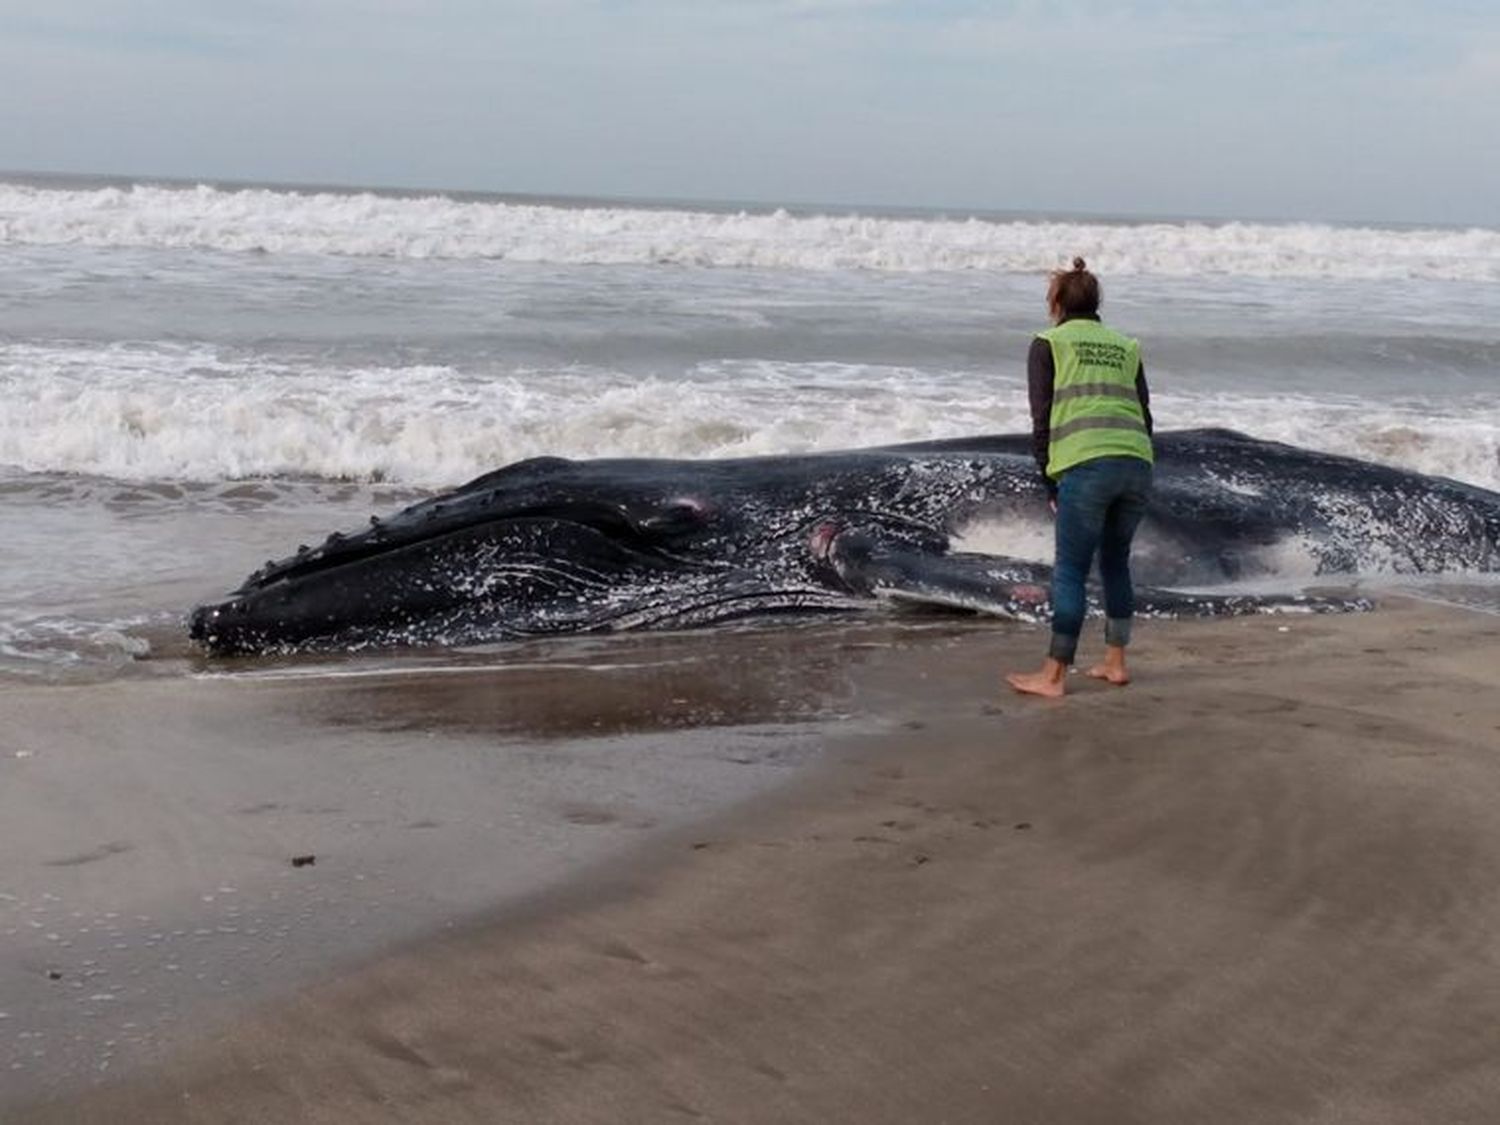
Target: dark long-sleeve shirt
1040 375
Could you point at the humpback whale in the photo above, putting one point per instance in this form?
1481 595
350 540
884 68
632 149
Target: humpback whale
554 546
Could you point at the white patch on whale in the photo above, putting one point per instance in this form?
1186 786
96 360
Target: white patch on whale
1235 485
1012 536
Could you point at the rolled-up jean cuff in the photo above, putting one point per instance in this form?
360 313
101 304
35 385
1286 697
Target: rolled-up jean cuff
1117 631
1063 647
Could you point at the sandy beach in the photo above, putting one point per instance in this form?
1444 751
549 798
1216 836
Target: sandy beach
820 874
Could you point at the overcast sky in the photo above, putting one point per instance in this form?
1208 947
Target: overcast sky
1347 109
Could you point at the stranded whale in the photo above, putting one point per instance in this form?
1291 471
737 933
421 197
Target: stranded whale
552 546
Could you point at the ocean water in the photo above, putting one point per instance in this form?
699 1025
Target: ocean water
194 378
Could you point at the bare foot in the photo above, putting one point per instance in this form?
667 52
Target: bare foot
1048 682
1036 683
1110 674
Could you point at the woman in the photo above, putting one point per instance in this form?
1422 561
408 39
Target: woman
1091 433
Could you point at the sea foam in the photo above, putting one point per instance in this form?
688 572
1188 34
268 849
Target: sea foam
367 224
180 412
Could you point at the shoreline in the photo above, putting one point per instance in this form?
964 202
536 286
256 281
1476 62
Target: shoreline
1254 886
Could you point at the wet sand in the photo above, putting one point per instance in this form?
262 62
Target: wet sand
1261 884
196 837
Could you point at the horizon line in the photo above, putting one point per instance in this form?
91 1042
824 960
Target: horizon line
664 203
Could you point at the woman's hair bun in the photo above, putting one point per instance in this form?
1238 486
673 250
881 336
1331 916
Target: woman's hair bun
1078 264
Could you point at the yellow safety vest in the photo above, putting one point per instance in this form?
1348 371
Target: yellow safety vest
1096 411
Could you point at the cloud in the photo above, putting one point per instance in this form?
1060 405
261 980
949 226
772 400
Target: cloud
147 26
1474 73
1280 107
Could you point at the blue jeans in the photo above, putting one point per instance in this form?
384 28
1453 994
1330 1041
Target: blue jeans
1099 505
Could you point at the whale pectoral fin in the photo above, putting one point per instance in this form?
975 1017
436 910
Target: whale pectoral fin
1013 588
897 572
1027 603
992 585
1157 602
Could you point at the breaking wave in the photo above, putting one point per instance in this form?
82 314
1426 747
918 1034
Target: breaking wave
369 224
170 412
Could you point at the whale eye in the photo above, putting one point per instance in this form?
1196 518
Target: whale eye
680 513
693 506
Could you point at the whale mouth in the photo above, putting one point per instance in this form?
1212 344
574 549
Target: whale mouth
503 580
646 527
447 561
